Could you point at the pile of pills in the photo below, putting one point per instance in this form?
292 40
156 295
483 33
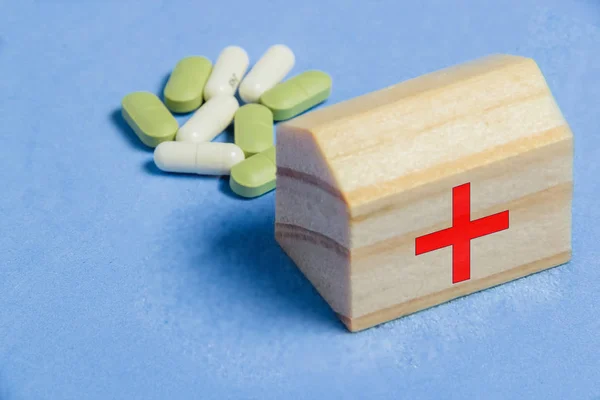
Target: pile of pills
196 85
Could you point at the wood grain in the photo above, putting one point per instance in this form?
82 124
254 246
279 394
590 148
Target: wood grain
358 181
434 299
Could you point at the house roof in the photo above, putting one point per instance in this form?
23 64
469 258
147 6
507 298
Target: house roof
421 130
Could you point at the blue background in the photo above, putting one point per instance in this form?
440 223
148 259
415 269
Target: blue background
119 281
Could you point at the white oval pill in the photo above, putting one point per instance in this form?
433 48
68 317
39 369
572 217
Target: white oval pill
211 158
209 120
227 72
272 67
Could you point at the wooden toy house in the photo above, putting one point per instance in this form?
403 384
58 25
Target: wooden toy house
428 190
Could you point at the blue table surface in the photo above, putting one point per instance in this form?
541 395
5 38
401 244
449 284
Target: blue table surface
120 282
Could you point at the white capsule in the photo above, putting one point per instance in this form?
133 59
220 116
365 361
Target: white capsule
227 72
272 67
211 158
209 120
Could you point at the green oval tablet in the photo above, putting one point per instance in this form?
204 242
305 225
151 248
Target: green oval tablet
184 90
254 176
149 118
297 94
253 128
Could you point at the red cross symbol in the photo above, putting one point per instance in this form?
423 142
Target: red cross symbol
460 234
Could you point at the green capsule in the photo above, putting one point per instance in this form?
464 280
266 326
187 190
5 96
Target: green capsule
253 128
184 90
297 94
254 176
149 118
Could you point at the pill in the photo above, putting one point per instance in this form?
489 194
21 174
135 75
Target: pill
149 118
297 94
210 158
184 90
227 72
209 120
268 71
253 128
255 175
